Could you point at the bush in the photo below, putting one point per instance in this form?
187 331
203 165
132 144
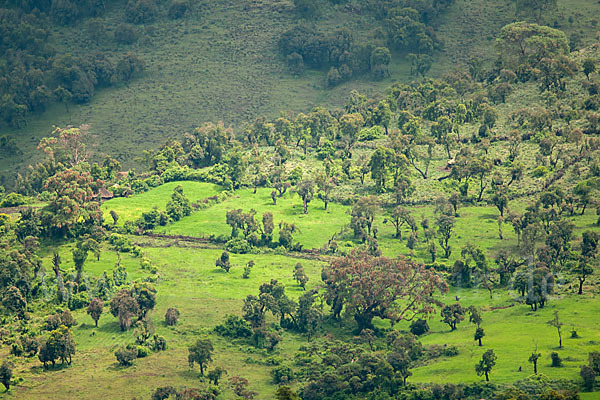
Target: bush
142 352
556 360
238 246
540 172
372 133
419 327
172 316
13 200
234 327
126 355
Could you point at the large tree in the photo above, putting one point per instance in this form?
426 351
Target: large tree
368 286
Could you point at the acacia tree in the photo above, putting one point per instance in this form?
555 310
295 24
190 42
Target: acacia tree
555 322
368 286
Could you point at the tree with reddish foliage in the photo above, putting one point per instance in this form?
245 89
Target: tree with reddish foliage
368 286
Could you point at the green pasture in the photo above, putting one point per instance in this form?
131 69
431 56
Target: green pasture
131 208
315 228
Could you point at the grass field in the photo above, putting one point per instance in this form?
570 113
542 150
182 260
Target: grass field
204 294
131 208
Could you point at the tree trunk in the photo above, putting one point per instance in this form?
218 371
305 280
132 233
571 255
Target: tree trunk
581 286
480 342
487 378
305 207
535 367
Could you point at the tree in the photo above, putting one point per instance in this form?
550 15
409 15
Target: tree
380 164
399 217
349 126
500 199
94 309
60 344
589 67
521 43
80 254
125 307
453 314
445 225
363 215
479 334
300 276
305 190
223 261
368 286
555 322
114 216
66 145
200 353
6 373
215 375
533 358
380 60
484 367
14 301
582 269
171 316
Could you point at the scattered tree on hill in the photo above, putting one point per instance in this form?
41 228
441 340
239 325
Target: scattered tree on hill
589 67
484 367
300 276
555 322
533 358
453 314
445 225
305 190
582 270
370 286
125 307
536 7
223 262
200 353
94 309
179 206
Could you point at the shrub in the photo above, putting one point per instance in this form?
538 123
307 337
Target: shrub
126 354
238 246
142 351
419 327
13 200
556 360
234 327
172 316
540 172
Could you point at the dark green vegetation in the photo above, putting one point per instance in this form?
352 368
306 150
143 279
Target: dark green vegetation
437 239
